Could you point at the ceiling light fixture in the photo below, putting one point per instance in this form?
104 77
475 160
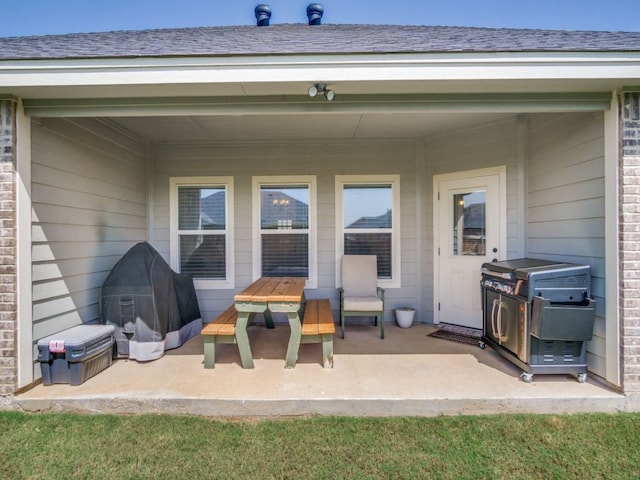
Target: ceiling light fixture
321 88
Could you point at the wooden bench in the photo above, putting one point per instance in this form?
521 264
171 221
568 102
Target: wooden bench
318 327
223 330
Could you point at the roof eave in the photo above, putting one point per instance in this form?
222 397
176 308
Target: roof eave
354 74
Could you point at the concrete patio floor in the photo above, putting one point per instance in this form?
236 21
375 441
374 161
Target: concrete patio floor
407 373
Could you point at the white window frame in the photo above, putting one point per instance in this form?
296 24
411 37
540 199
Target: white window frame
293 180
227 183
394 181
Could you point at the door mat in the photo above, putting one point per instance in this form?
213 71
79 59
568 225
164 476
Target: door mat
456 333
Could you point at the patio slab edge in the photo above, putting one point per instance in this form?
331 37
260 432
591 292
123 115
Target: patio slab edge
332 407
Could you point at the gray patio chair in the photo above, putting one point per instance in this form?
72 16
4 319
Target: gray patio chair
360 295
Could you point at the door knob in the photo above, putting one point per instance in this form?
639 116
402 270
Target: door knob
495 250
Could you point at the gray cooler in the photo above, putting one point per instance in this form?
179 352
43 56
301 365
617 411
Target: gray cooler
77 354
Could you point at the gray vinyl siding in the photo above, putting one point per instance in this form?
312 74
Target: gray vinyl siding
490 145
560 205
325 161
565 203
88 208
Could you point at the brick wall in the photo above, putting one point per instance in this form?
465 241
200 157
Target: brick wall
8 309
630 238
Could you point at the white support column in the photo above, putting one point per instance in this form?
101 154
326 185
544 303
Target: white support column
25 360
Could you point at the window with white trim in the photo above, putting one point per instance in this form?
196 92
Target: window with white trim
368 222
284 227
202 229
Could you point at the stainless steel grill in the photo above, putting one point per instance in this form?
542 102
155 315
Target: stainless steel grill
538 314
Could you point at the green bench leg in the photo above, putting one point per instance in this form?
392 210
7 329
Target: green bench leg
327 350
243 340
209 351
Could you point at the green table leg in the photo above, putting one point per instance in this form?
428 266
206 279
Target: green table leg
294 339
243 340
268 319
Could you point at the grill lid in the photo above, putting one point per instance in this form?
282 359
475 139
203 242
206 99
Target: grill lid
519 264
523 268
529 277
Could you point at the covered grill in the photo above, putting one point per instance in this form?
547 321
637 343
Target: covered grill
538 314
151 307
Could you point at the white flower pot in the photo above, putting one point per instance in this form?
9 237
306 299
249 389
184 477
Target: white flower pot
404 316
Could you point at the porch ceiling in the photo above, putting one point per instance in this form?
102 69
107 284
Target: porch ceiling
185 129
279 118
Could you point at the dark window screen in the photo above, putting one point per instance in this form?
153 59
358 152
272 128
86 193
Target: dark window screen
203 256
371 244
285 255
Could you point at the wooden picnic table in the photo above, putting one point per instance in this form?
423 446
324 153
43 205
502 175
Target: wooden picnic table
272 295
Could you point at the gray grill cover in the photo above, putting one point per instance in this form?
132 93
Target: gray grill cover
152 308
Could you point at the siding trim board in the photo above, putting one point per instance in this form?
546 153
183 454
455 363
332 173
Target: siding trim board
23 241
502 103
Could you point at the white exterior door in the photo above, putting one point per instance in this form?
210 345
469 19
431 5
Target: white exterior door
470 216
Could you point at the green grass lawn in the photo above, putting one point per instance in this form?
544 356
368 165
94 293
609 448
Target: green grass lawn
64 446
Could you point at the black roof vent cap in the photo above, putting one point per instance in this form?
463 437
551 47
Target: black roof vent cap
314 13
263 14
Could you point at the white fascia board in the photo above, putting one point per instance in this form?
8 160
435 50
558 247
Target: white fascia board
333 68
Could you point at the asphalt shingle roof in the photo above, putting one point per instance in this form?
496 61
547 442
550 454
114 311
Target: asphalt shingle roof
304 39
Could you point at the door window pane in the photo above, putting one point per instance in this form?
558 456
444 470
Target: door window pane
469 223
